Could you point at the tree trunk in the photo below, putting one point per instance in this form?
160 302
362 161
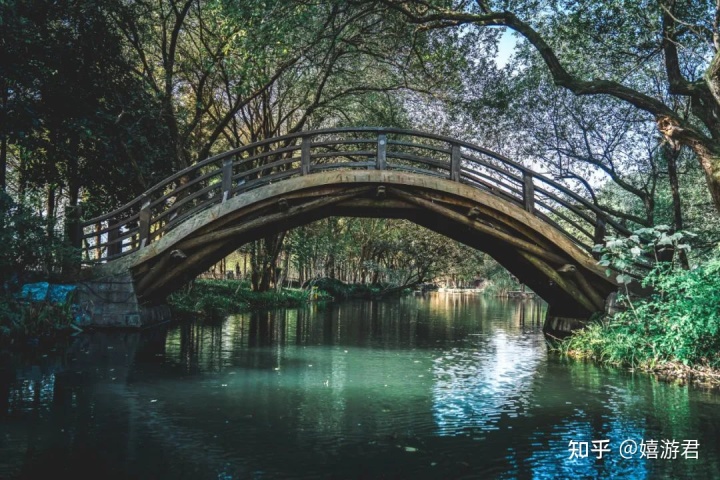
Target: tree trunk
330 266
3 141
286 268
710 163
265 263
254 267
3 162
672 155
50 232
51 211
266 278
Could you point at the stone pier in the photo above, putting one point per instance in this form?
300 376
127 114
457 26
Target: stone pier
111 301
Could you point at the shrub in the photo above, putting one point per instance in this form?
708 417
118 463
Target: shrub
218 298
679 321
25 243
32 319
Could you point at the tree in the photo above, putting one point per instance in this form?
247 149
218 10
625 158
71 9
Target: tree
354 58
379 251
620 48
72 107
579 139
26 247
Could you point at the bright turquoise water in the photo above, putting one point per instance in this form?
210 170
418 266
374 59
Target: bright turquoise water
443 386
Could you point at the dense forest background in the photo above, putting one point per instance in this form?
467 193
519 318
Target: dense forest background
100 99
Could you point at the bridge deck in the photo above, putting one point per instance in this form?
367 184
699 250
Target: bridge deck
217 179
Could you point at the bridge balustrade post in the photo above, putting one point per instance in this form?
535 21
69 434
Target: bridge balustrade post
144 226
226 178
528 192
455 163
599 235
98 241
381 159
114 247
305 156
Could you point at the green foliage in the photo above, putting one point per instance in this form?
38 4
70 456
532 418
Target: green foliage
500 281
396 252
25 244
341 291
335 288
219 298
27 252
697 208
20 319
680 322
73 105
657 244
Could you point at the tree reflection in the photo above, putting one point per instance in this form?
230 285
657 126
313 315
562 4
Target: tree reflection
382 388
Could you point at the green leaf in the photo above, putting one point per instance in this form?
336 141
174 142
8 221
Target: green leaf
623 279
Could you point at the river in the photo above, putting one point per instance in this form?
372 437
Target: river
440 386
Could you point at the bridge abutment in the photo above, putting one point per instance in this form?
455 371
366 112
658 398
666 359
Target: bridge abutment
561 324
111 302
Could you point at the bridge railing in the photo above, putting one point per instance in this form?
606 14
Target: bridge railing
217 179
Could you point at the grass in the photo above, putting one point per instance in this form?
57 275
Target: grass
21 320
219 298
675 332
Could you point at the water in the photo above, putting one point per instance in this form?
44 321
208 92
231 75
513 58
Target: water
445 386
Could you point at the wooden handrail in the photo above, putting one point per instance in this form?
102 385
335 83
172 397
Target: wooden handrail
192 189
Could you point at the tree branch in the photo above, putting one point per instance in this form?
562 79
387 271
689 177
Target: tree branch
561 77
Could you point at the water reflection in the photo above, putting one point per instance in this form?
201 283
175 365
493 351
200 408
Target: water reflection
475 388
439 387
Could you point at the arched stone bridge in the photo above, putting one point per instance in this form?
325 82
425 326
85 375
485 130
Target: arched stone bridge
538 229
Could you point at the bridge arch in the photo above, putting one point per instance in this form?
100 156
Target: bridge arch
536 228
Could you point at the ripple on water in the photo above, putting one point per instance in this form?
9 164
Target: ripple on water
474 389
416 388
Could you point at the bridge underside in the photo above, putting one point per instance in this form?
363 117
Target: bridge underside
536 253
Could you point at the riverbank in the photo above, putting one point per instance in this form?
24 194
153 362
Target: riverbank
31 323
675 372
339 290
673 334
613 343
219 298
